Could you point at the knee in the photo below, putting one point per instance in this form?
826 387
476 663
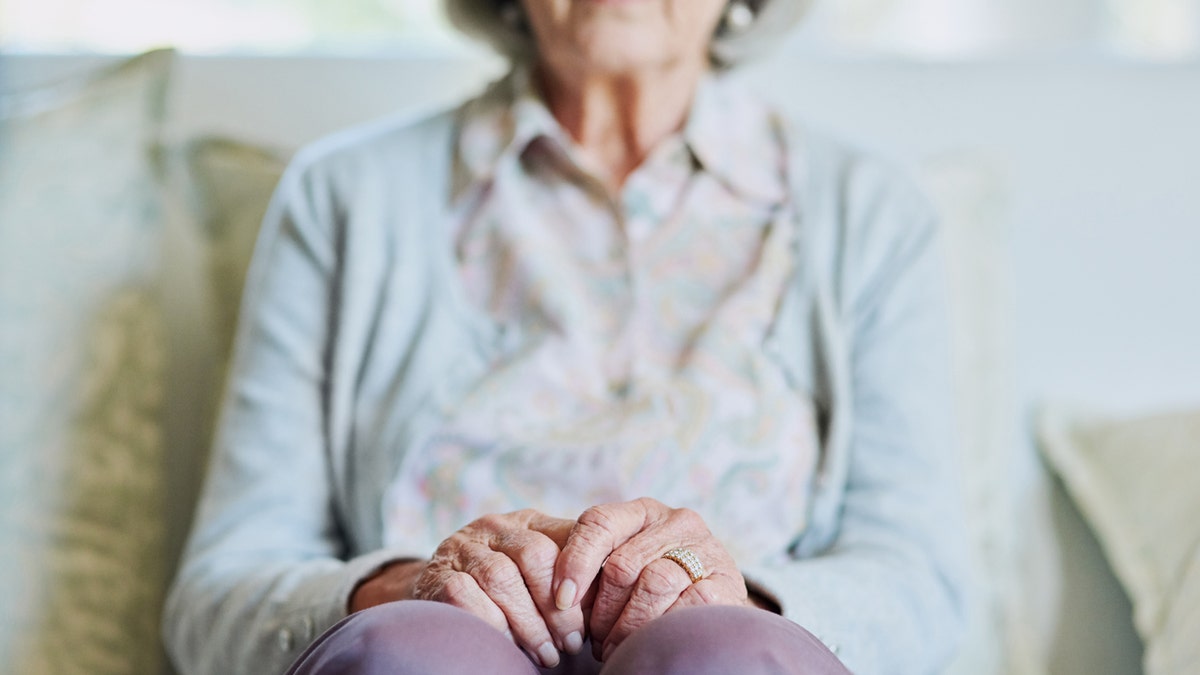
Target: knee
724 640
380 632
410 637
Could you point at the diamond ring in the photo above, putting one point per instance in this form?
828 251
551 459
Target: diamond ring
688 561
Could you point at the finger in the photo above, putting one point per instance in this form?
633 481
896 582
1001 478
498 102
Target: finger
557 529
658 588
717 588
535 554
681 527
500 578
441 584
589 598
597 533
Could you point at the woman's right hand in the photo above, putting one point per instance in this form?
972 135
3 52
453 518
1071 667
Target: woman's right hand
499 568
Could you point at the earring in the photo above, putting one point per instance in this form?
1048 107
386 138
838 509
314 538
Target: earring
738 16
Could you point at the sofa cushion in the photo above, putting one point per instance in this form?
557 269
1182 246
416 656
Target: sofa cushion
231 183
1135 482
968 193
81 352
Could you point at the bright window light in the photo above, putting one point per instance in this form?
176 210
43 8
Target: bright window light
938 29
213 26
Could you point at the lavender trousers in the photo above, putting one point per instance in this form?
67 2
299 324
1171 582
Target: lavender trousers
419 638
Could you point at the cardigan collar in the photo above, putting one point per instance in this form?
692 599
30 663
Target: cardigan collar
728 133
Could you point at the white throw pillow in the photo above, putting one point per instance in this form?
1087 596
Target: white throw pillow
1137 483
970 197
81 358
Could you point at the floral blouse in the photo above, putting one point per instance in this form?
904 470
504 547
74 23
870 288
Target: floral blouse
637 320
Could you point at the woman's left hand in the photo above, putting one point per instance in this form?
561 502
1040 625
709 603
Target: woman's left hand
620 548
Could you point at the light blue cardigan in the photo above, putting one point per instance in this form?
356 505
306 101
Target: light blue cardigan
355 335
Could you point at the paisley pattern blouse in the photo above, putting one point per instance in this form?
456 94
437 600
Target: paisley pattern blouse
637 320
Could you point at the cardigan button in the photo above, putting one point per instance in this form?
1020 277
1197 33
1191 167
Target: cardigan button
285 640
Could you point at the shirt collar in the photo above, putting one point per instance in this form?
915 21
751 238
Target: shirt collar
504 122
729 132
737 138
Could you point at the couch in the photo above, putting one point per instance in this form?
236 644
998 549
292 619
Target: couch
130 193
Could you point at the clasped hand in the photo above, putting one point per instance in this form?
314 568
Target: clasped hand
549 582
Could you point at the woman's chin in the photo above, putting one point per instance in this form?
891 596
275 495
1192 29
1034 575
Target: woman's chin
628 56
623 36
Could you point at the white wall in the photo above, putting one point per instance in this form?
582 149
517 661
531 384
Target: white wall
1102 162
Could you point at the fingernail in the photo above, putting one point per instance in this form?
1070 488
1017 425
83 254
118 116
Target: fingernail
566 595
573 643
548 655
508 634
608 650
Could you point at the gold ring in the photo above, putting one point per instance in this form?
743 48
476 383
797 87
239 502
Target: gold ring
688 561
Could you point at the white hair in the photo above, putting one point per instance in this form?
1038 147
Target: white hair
486 19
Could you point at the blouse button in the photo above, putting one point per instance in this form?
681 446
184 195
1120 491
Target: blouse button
285 639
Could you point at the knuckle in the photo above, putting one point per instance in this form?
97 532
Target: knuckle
650 504
537 553
506 541
489 523
447 550
423 589
621 570
706 593
690 519
601 518
492 572
454 589
428 585
656 580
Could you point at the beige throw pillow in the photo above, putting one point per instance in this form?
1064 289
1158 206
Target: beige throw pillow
1137 483
232 185
81 358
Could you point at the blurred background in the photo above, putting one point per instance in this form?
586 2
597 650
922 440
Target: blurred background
1060 140
1160 30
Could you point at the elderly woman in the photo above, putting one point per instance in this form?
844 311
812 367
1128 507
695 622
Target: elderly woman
612 368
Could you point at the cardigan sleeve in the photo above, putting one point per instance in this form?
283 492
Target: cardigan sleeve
264 570
887 594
